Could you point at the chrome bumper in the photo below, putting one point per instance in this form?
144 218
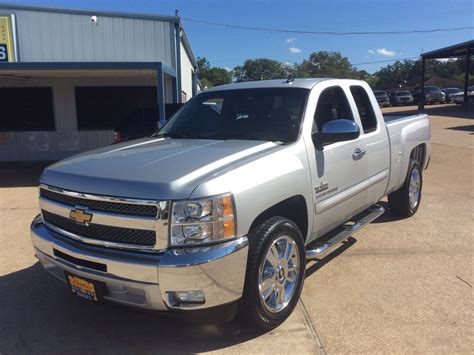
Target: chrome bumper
149 280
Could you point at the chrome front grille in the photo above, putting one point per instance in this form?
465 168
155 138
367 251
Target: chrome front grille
102 233
100 205
115 222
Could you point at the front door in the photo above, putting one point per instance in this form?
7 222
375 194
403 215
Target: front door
338 170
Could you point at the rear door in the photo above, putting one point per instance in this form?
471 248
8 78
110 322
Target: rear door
373 141
339 177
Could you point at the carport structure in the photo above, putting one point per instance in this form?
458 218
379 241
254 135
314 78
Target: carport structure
465 49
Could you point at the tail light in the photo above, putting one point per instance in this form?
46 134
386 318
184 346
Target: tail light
117 137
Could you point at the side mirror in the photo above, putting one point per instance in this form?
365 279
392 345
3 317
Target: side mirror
336 131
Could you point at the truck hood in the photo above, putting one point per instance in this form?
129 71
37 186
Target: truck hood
151 168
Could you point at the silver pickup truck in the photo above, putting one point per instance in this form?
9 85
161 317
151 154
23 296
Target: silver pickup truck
223 206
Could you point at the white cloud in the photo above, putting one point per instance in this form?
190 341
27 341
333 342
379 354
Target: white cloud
385 52
290 40
228 69
371 51
294 50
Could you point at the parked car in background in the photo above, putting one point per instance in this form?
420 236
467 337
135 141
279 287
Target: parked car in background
457 98
382 98
433 95
400 97
142 122
444 96
470 93
451 91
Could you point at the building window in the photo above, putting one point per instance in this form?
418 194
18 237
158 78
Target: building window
103 107
26 109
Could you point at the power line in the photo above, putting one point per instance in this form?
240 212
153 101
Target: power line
327 33
387 61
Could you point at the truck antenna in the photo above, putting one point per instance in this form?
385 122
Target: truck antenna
290 79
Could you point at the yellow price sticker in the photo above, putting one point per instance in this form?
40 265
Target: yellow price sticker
6 40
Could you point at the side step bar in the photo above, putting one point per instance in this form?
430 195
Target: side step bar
318 249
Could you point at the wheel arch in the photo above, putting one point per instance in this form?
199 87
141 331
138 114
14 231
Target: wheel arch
294 208
418 153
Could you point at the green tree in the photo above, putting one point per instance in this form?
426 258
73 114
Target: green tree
203 64
364 75
407 73
212 76
260 69
372 80
398 74
327 64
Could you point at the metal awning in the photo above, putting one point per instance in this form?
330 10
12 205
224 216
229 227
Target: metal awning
465 49
457 50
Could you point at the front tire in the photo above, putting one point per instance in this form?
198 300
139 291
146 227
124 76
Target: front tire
406 200
275 273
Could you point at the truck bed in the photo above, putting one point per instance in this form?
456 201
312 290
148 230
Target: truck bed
396 117
405 132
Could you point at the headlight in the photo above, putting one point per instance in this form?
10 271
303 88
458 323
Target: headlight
202 221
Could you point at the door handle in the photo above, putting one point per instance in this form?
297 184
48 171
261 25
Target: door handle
358 154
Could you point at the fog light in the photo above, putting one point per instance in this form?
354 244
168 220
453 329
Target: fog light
178 298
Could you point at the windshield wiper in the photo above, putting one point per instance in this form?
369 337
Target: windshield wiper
173 135
222 136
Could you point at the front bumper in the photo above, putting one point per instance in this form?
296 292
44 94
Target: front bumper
435 100
148 280
405 102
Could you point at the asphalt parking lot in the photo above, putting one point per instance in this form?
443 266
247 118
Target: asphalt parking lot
396 286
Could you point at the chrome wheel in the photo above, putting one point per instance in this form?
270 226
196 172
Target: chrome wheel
414 188
278 274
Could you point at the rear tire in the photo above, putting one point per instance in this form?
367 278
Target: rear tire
406 200
275 274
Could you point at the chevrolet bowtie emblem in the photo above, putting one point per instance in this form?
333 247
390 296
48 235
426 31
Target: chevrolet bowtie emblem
80 216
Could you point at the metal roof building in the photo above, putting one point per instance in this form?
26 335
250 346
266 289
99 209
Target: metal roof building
67 77
460 50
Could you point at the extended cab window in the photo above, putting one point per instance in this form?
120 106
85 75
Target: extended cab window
364 106
332 105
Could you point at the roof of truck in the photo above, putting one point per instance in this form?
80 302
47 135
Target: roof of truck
278 83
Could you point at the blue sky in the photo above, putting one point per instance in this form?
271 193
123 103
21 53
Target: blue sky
227 47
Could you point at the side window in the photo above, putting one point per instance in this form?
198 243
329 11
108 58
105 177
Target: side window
332 105
364 106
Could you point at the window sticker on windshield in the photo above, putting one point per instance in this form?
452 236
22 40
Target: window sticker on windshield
240 116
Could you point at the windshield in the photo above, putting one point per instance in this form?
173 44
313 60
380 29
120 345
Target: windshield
379 93
266 114
432 89
452 90
403 93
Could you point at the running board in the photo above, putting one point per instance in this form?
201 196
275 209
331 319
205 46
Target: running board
318 249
